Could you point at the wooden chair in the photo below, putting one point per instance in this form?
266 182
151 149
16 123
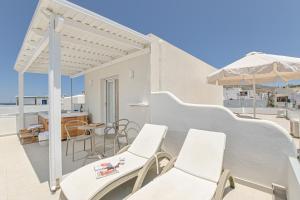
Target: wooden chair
72 126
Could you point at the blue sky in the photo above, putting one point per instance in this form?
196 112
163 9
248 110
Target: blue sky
215 31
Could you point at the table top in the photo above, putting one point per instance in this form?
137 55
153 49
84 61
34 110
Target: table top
92 126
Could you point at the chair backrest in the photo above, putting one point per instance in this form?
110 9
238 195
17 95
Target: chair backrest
148 141
73 125
202 154
121 125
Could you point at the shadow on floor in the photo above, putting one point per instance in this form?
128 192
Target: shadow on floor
38 155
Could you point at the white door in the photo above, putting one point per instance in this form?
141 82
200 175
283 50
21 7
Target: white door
111 100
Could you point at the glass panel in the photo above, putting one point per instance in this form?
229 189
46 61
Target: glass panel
110 101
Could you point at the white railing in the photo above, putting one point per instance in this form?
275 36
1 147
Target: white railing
9 118
256 150
8 124
267 110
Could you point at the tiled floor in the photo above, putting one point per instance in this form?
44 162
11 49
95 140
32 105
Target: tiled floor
24 173
24 170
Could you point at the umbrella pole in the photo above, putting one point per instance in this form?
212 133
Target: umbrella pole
254 100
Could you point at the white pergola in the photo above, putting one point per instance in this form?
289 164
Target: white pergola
65 39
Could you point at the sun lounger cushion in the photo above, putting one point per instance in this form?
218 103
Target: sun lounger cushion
148 141
82 184
202 154
176 185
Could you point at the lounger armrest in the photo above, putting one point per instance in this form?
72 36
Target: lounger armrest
123 149
222 183
169 166
144 171
62 196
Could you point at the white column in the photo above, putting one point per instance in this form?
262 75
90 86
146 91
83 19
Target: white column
21 100
54 84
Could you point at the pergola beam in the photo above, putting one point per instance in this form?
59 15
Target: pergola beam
108 36
85 52
38 50
65 63
118 60
69 57
91 45
67 67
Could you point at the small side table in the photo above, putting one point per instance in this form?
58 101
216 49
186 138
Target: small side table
91 128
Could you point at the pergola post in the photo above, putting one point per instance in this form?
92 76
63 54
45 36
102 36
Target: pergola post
54 84
21 100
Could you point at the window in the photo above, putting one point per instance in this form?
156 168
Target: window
243 93
283 99
44 102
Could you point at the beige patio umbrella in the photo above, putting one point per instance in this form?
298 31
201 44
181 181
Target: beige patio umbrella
257 67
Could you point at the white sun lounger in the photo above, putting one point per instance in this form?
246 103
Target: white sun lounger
82 184
196 174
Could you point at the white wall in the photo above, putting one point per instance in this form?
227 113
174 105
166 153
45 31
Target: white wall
131 91
184 75
293 179
256 150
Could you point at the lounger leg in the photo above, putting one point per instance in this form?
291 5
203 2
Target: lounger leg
62 196
144 171
84 145
222 183
231 182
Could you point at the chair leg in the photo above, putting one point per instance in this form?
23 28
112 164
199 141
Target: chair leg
73 150
91 143
104 143
67 147
84 145
126 136
115 145
118 142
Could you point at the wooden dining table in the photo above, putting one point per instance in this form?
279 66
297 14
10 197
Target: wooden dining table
91 129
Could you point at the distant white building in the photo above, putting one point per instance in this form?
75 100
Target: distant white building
77 100
238 93
235 97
